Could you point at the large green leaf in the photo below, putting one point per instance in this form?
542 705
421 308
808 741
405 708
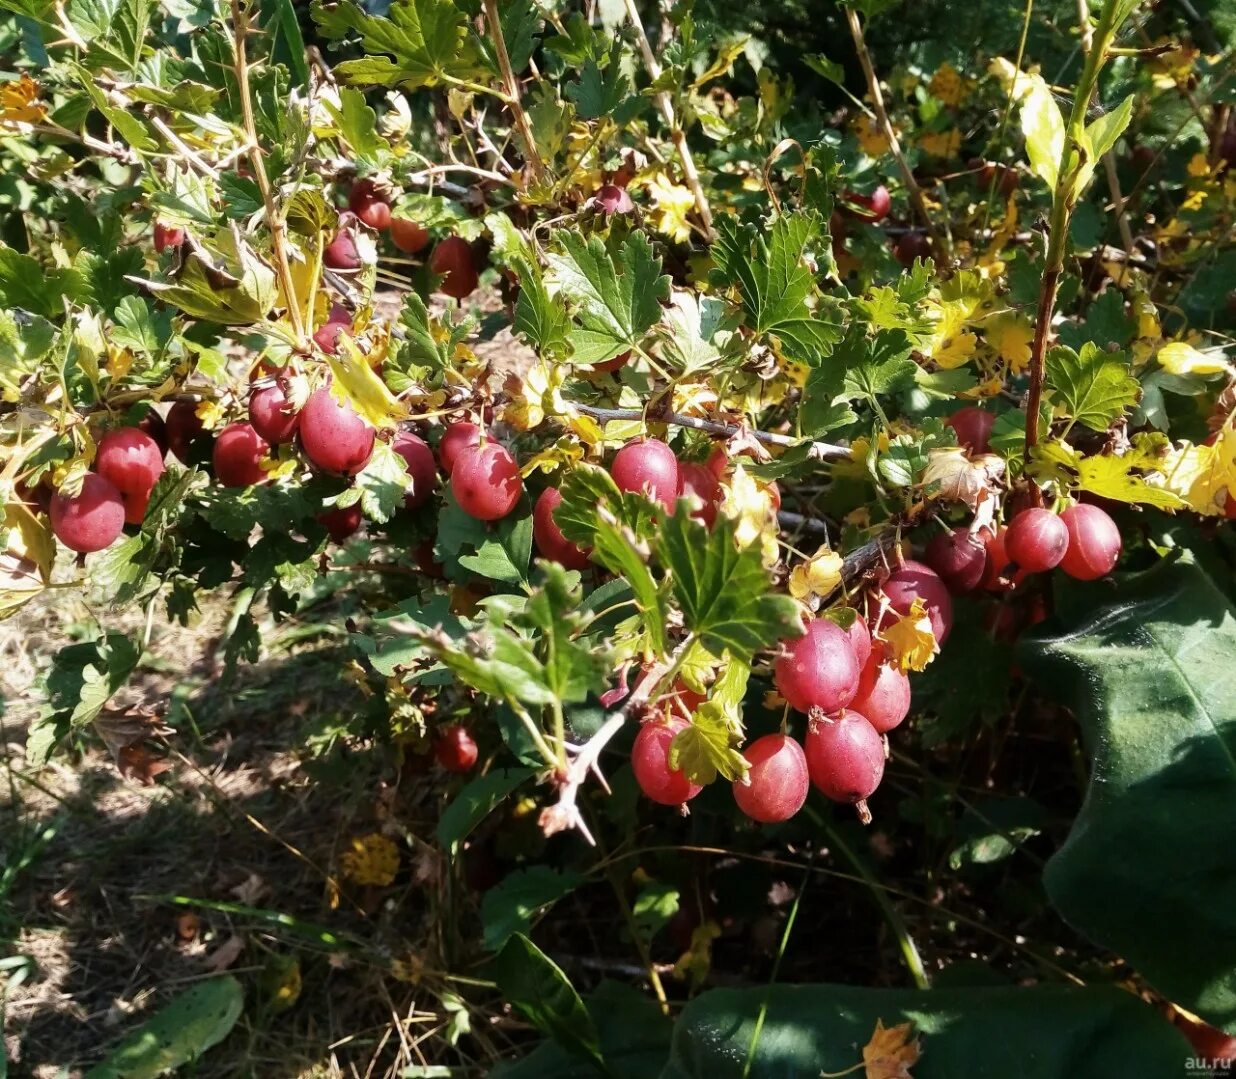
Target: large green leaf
474 803
1094 387
1044 1032
1147 869
510 906
178 1033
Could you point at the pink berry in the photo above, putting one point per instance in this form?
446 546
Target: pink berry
548 536
187 438
647 467
485 481
1037 540
341 521
271 415
973 428
237 456
883 695
167 236
777 780
819 669
91 519
913 580
650 762
456 749
845 757
1094 542
860 640
698 482
129 459
612 199
422 467
334 437
456 436
452 258
958 557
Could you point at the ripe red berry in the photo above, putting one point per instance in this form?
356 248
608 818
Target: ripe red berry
152 424
860 640
648 467
167 236
135 506
616 364
456 436
1215 1047
718 462
973 428
237 456
997 576
1037 540
368 205
129 459
339 321
89 520
958 557
341 521
422 467
343 252
548 536
452 258
334 437
650 761
883 695
485 481
612 199
456 749
819 669
699 483
271 415
186 436
913 580
408 236
874 207
845 757
777 780
910 246
1094 542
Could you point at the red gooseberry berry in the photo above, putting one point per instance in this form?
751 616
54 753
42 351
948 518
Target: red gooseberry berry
1094 542
548 536
647 466
1037 540
818 669
485 481
776 781
650 762
89 520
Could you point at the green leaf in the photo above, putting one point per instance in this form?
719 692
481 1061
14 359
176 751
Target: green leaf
1094 387
772 272
239 294
502 551
1043 127
603 92
708 747
574 667
992 829
1103 132
535 984
288 43
358 122
654 907
615 301
1106 323
727 596
474 803
83 678
1038 1032
25 283
424 38
178 1033
383 482
1149 674
510 906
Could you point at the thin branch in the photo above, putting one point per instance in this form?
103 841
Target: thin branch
886 125
240 24
512 88
821 451
677 135
20 127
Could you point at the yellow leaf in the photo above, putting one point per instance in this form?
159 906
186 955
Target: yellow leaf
695 963
670 205
820 574
534 396
940 143
1181 358
281 982
1203 475
373 859
566 451
912 644
1010 335
357 384
891 1052
748 503
870 136
947 85
1123 478
19 101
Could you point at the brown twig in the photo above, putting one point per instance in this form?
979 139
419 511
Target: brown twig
677 135
240 25
821 451
886 125
512 93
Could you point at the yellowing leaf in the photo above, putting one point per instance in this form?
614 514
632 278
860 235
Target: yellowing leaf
947 85
19 101
820 574
958 477
911 642
708 747
1181 358
1043 127
1203 475
566 451
940 143
693 965
870 136
373 860
891 1052
357 384
670 205
534 396
1010 335
1123 478
748 503
281 982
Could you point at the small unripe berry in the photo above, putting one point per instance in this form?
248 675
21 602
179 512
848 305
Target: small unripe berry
1037 540
873 207
818 669
1094 542
167 236
777 779
89 520
650 762
612 199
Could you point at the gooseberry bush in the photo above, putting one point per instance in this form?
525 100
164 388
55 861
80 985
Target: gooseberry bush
665 431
